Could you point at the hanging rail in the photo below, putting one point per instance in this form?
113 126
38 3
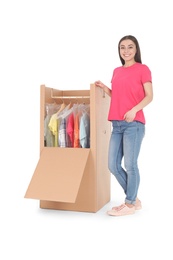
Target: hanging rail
75 97
67 97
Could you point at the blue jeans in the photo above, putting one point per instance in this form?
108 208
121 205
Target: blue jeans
125 143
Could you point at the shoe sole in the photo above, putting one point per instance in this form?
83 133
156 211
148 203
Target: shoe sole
136 208
119 215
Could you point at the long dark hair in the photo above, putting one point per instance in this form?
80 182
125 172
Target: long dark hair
138 52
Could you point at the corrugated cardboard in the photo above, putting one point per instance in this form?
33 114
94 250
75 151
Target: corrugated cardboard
74 178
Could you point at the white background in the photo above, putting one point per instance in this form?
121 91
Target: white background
68 45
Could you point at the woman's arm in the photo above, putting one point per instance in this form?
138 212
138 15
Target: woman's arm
148 89
104 87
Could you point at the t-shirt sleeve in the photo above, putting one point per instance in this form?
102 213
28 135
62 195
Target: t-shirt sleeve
146 74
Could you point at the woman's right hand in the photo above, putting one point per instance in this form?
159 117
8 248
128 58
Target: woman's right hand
98 83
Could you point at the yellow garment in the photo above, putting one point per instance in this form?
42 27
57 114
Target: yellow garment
53 124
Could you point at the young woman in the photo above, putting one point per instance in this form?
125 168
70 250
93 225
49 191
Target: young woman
131 91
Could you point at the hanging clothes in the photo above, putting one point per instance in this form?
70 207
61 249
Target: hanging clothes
53 124
70 130
69 126
84 131
62 118
49 138
62 133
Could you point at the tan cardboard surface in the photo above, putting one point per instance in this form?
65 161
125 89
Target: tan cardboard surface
74 178
58 174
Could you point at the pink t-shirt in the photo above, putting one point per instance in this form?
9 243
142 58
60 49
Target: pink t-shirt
128 90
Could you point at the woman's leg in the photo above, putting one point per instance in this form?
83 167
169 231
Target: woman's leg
133 136
115 155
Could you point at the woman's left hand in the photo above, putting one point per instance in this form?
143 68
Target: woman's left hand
129 116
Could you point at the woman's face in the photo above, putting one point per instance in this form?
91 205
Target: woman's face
127 50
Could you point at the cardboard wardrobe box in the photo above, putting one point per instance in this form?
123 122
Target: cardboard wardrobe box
74 178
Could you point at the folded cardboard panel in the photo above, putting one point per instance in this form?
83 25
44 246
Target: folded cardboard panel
86 199
58 174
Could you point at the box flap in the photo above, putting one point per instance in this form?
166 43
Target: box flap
58 174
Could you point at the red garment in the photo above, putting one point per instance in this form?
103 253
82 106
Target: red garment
76 131
70 129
